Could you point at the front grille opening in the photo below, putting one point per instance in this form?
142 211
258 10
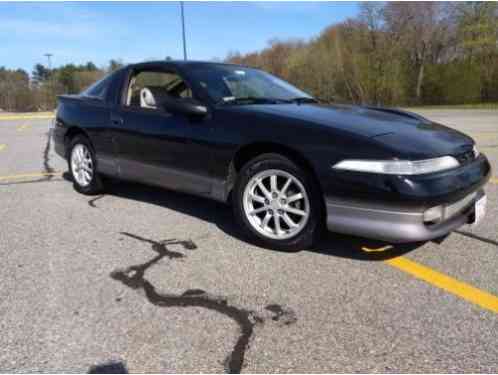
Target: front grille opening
465 157
431 222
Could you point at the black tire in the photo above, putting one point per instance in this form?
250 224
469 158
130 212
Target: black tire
96 185
307 237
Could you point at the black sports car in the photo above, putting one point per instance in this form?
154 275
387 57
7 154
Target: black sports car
286 163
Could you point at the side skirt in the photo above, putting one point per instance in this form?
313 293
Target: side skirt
169 178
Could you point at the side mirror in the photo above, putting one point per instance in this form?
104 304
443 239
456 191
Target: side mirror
188 107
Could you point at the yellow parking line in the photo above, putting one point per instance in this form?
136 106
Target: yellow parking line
26 117
440 280
449 284
23 127
28 175
2 146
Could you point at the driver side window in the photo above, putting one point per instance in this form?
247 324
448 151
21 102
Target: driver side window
240 89
148 88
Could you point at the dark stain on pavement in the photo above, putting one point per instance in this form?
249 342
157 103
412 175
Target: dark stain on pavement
111 367
283 316
92 201
134 277
161 247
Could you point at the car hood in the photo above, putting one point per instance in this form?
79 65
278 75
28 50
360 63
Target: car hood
405 133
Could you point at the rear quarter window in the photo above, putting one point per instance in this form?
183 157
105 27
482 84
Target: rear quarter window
99 89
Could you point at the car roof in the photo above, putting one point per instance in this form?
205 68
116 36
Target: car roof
181 64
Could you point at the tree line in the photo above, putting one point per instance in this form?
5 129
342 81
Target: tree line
392 53
395 53
21 92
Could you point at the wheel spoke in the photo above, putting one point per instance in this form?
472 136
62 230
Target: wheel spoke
278 228
273 183
286 186
258 210
265 221
295 197
87 175
289 221
257 198
264 189
294 211
87 168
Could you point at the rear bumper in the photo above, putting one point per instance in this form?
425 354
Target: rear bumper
392 225
58 136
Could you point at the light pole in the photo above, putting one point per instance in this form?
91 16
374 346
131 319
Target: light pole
183 32
49 58
49 91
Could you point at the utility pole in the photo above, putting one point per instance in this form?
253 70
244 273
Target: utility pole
50 88
183 32
49 58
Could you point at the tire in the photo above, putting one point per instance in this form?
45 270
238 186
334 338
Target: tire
90 183
248 192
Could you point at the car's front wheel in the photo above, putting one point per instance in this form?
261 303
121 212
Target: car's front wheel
82 166
277 202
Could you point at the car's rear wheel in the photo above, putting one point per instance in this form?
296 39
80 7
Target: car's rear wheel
277 203
82 166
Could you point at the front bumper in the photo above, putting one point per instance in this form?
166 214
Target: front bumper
391 208
393 225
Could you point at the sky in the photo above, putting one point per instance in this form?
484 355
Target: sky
78 32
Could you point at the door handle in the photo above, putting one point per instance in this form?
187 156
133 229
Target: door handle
117 121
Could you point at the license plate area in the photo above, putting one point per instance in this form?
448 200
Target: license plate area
454 209
479 210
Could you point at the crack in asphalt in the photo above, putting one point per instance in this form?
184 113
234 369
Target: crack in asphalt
476 237
29 182
134 278
47 168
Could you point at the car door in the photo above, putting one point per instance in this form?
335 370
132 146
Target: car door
94 113
157 147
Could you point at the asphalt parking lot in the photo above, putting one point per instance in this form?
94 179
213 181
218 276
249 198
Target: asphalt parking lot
148 280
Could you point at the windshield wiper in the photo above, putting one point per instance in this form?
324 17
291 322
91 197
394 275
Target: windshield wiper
250 100
303 99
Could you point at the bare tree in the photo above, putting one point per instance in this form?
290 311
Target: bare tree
423 30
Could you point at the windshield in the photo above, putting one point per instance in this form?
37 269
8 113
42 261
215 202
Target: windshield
233 84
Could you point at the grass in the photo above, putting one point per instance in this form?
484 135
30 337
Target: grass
458 106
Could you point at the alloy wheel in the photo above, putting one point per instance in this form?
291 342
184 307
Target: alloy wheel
276 204
82 164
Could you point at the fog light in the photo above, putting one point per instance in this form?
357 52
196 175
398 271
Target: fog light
434 214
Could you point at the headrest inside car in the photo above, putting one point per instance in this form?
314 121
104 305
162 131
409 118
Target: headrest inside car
147 99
